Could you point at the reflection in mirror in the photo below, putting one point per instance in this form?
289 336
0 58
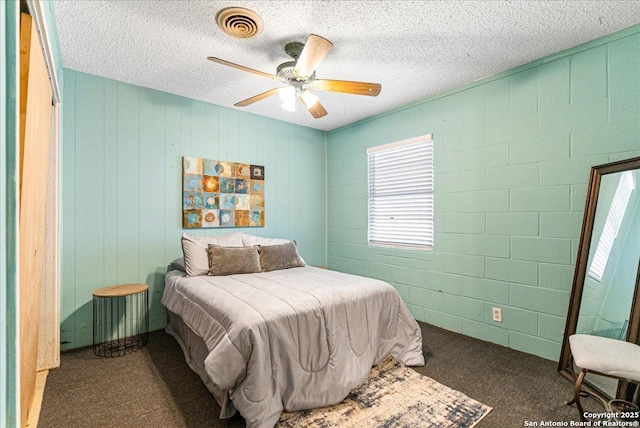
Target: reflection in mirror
611 275
604 299
611 266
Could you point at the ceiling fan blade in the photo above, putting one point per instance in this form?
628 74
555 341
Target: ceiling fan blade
243 68
347 87
257 97
316 109
313 53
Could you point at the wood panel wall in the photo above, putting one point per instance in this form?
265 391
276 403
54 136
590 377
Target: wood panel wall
34 148
122 180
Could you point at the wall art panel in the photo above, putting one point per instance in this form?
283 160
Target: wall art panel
221 194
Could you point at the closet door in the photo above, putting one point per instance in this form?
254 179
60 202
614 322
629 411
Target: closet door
35 126
49 337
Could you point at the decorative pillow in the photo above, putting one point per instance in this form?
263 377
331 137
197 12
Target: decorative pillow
282 256
233 260
194 248
248 240
177 264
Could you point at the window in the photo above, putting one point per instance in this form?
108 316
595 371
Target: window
401 193
626 185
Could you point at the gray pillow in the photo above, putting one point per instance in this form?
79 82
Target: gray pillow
233 260
177 264
194 249
282 256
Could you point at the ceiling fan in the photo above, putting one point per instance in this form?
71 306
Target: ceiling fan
299 75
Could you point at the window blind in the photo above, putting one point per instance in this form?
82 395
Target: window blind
626 185
401 193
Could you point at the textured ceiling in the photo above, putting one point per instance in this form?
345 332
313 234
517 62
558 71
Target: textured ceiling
414 49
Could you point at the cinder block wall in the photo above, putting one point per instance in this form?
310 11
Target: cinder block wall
512 160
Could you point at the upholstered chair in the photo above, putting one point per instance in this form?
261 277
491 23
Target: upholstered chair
606 357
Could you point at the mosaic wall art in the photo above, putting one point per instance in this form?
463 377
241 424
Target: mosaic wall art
221 194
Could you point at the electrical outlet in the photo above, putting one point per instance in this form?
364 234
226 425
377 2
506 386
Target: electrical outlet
497 314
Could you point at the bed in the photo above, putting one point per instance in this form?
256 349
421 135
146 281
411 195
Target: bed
286 339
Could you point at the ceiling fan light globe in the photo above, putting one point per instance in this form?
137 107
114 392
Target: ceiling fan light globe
287 95
289 106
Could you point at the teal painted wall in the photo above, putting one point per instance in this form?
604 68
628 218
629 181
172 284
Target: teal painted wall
121 175
512 161
9 378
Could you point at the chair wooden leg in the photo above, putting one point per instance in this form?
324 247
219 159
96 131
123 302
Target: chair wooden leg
576 394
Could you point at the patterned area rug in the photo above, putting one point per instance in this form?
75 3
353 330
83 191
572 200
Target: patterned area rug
394 396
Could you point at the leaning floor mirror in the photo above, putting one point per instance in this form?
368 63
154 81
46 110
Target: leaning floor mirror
605 300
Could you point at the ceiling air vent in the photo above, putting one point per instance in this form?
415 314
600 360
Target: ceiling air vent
239 22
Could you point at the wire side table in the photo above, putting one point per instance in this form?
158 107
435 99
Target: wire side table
120 319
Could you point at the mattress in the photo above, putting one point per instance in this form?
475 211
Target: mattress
292 339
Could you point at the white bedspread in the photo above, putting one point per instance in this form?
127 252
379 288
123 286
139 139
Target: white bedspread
295 338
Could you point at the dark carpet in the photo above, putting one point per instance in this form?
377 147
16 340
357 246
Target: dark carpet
154 387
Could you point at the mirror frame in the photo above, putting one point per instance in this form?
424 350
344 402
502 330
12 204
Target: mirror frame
564 366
